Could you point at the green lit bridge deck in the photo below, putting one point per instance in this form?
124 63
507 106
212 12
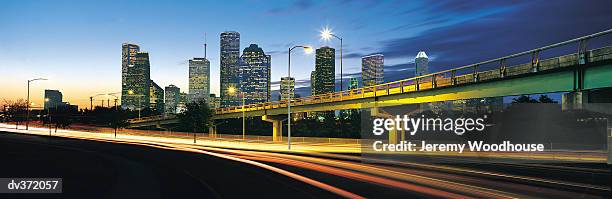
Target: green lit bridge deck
583 70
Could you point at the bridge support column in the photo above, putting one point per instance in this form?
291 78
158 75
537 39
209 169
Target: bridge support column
574 100
212 131
277 126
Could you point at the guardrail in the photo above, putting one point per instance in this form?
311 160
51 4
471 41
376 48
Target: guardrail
462 75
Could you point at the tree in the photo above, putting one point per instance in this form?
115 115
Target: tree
196 117
15 110
546 99
524 99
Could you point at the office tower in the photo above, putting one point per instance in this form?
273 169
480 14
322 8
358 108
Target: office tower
230 53
421 62
182 103
353 83
372 72
157 98
199 79
135 77
325 73
172 99
128 59
53 99
325 70
254 75
313 76
287 88
214 101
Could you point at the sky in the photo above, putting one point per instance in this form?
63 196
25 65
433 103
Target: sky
77 44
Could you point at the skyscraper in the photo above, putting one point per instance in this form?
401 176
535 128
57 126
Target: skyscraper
287 88
199 79
53 99
372 71
172 99
230 53
421 63
157 98
214 101
325 70
254 75
128 58
135 78
324 76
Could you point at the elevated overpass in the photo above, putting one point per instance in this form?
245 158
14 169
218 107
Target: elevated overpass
575 72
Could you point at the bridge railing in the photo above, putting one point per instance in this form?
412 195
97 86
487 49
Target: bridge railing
462 75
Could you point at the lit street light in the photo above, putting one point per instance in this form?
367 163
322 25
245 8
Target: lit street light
327 34
28 101
307 50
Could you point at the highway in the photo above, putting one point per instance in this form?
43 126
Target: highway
118 168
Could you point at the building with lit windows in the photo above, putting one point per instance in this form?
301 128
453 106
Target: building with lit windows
421 62
172 98
353 83
230 53
254 75
287 88
199 79
325 70
157 98
53 99
135 77
372 71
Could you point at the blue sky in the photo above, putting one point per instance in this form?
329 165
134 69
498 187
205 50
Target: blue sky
77 44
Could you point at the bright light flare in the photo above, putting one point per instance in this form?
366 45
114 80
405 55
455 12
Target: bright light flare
307 49
326 34
231 90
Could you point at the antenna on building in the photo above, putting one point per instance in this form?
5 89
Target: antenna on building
204 45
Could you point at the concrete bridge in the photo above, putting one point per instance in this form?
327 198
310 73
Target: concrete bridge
576 72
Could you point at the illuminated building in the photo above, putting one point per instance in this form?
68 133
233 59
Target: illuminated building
172 99
325 70
353 83
372 71
135 77
230 53
421 62
199 79
324 78
53 99
214 101
287 88
254 75
157 98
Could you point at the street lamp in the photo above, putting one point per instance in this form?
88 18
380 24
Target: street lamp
28 101
307 50
48 114
232 91
327 34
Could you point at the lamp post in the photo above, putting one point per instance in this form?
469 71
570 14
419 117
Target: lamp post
328 34
28 102
307 49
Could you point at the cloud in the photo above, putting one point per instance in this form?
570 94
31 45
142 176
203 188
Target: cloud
299 5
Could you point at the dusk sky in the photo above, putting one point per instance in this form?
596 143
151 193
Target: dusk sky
77 44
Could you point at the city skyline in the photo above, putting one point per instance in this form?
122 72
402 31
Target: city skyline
98 31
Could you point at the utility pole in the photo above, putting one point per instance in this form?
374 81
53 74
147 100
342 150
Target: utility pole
91 103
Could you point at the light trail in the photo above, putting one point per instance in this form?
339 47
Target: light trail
433 180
